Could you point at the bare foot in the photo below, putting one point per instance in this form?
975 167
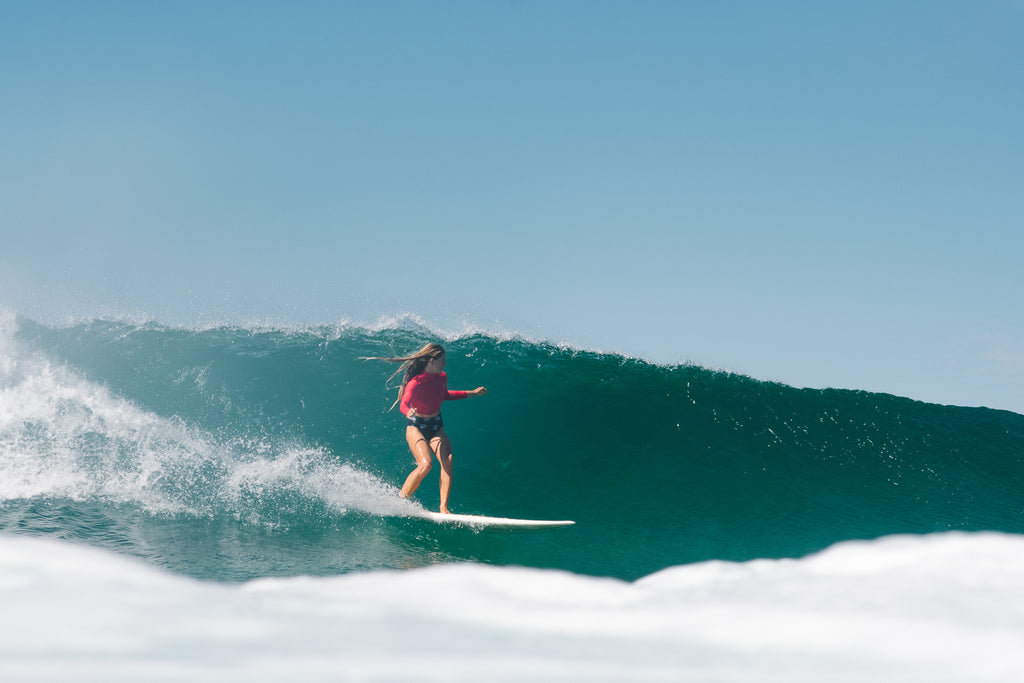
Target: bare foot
445 510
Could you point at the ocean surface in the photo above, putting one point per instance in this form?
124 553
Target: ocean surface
221 504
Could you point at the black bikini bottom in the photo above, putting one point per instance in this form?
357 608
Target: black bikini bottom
428 426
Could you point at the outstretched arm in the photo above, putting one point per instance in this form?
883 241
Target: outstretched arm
457 394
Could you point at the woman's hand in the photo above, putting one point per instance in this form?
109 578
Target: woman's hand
479 391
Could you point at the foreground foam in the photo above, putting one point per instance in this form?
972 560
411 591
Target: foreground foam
947 607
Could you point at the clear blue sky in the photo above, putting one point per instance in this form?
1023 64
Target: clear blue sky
817 193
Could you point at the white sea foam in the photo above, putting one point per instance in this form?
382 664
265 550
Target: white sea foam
933 609
62 436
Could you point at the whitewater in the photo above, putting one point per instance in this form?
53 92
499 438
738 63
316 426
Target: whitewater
221 504
941 608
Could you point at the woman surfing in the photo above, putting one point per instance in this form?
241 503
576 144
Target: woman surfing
424 388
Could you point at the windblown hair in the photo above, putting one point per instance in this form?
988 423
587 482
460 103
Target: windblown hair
411 366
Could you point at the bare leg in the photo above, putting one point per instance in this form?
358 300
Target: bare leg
443 448
424 460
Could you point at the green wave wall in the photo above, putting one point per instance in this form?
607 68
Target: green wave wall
659 465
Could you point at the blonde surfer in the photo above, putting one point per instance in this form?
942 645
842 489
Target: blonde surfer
424 388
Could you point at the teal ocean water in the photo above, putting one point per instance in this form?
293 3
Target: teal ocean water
234 453
237 456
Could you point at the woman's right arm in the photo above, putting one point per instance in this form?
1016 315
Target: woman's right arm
405 406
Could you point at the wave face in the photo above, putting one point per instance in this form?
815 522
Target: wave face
235 453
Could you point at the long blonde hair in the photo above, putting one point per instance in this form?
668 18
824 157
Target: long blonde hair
412 365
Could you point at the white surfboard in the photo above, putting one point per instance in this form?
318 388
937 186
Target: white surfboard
496 522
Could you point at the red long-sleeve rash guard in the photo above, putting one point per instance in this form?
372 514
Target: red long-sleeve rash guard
425 393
